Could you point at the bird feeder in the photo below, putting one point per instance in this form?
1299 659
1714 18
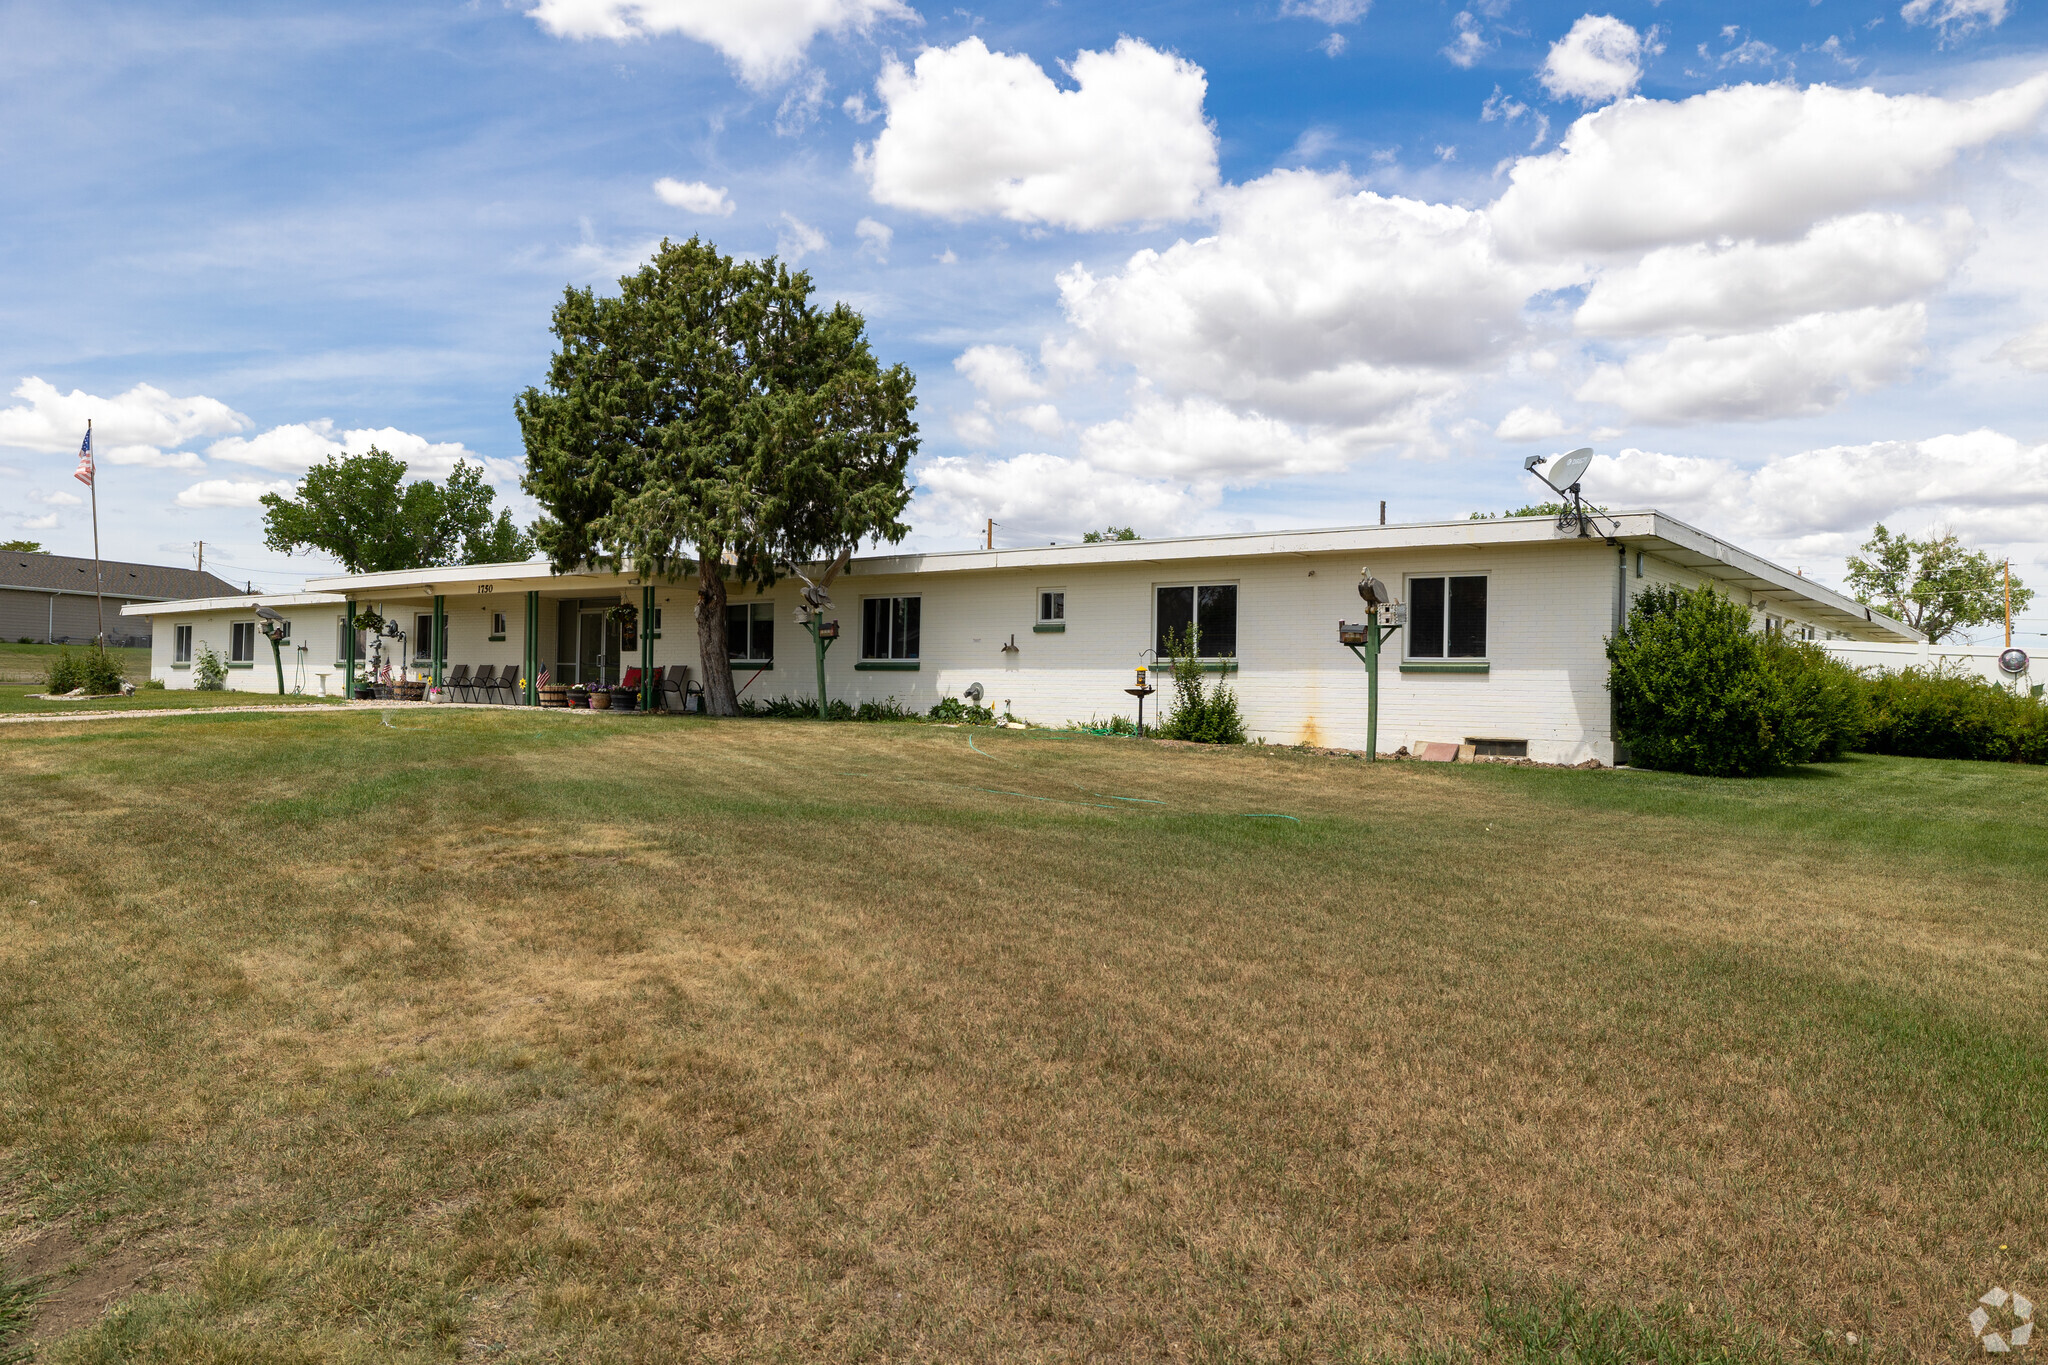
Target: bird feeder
828 630
1141 691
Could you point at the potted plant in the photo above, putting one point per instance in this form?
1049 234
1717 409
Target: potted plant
554 694
600 698
625 699
579 696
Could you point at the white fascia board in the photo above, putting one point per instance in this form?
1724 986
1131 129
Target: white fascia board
1768 580
193 606
532 573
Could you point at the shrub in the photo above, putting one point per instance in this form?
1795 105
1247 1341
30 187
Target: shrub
150 685
886 709
1923 713
1697 691
962 712
1201 713
209 670
1826 701
95 670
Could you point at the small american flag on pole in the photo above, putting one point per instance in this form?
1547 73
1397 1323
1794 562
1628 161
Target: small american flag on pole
542 681
84 472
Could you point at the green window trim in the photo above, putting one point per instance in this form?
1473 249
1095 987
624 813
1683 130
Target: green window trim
235 665
495 639
181 665
1164 668
1050 628
886 666
1446 668
753 663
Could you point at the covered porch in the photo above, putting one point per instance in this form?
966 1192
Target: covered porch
469 629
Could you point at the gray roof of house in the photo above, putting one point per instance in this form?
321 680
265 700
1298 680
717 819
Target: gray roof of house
64 573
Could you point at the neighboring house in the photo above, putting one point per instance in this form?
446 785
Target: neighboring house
1504 647
49 599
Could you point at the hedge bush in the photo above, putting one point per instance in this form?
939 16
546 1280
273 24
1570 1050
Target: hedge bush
1922 713
1698 690
95 670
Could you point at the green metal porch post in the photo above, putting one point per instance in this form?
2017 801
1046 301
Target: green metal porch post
647 648
348 657
439 652
532 669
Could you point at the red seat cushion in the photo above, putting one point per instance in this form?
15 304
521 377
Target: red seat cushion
632 678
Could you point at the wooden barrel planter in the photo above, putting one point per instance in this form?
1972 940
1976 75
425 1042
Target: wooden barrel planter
554 696
625 699
579 700
408 691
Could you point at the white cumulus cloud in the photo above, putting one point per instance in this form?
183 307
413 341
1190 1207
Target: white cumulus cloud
1000 373
874 238
1601 59
1201 441
1797 369
2028 351
1528 423
1864 260
1313 301
798 239
297 446
764 40
1046 497
135 428
694 196
231 492
1763 161
973 132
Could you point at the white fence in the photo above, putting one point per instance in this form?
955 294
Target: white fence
1980 661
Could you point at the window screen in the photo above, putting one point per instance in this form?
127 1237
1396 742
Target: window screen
1447 617
889 627
242 642
1211 609
750 632
181 645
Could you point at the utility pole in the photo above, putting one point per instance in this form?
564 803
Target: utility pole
202 556
991 533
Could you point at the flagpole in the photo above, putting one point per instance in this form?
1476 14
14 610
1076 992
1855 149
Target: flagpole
98 577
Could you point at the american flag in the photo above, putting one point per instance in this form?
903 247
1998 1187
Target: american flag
84 474
542 680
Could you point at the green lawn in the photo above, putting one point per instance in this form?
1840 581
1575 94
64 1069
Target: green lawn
26 700
493 1035
26 663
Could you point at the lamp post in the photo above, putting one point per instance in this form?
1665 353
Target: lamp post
1383 617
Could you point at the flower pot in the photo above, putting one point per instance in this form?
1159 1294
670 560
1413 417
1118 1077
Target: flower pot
554 696
625 699
366 692
600 701
409 691
579 700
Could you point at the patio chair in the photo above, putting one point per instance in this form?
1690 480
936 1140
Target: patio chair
675 680
508 683
456 680
480 684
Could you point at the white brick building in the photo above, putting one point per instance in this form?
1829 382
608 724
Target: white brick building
1505 643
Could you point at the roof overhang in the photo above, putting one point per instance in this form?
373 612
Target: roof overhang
193 606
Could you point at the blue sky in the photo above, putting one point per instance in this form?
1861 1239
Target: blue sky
1418 242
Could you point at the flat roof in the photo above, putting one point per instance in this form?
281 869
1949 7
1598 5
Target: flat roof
1651 530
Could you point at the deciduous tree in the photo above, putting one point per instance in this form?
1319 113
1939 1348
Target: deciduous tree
1938 585
359 510
710 417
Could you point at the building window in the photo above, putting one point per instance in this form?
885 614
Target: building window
498 624
749 632
242 642
1209 609
889 627
341 641
181 645
654 628
1052 606
423 638
1447 617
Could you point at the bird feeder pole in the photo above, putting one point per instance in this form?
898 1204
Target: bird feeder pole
1383 618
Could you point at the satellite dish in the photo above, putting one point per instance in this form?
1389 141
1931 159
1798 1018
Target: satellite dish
2013 661
973 693
1567 470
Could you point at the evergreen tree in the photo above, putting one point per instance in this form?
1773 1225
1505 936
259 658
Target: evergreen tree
710 417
